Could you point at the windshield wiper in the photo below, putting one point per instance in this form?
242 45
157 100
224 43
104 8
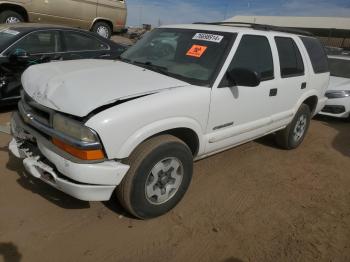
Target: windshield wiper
148 65
126 60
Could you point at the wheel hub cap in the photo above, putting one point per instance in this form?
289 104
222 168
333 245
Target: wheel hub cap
164 180
102 31
300 127
12 20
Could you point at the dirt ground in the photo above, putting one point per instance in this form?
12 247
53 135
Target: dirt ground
252 203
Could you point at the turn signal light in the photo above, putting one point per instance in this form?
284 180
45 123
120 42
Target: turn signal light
79 153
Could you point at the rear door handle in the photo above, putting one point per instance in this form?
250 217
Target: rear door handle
303 85
273 92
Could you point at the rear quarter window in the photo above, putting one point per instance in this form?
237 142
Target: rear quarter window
290 58
317 54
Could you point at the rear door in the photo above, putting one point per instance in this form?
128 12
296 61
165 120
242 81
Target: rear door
113 10
241 113
291 76
78 45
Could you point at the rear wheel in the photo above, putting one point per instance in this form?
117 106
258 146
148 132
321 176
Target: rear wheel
293 135
103 29
160 173
10 17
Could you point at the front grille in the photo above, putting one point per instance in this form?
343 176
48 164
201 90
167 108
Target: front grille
37 111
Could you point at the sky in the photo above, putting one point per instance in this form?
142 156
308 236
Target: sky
164 12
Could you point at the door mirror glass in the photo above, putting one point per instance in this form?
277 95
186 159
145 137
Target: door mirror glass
19 55
243 77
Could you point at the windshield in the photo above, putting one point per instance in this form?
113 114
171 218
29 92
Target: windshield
193 56
7 36
339 67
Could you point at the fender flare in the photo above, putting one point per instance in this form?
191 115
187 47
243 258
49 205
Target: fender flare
304 97
158 127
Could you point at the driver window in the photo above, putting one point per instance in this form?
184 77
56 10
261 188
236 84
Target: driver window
254 53
43 42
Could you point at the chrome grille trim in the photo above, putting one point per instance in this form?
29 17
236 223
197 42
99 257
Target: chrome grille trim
45 127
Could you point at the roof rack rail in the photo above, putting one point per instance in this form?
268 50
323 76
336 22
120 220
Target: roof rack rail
259 27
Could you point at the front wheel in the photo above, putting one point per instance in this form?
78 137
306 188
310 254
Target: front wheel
160 173
293 135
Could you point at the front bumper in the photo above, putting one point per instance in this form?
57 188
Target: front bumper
84 181
337 107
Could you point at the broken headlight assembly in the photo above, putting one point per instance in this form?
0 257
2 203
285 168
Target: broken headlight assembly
87 146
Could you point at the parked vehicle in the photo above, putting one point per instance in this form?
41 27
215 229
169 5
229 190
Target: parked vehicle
160 108
100 16
22 45
338 93
330 50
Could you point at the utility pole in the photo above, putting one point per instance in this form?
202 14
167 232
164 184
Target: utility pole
140 13
226 10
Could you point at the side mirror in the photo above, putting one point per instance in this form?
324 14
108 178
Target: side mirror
19 55
243 77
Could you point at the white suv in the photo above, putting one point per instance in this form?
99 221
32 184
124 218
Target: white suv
182 93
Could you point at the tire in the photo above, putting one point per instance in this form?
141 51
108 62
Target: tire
9 16
138 191
103 29
293 135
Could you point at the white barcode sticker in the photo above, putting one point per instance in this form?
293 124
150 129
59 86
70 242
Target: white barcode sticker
208 37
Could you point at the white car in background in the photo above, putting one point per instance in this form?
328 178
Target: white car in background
338 93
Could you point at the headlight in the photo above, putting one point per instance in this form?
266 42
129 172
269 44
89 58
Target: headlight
338 94
73 129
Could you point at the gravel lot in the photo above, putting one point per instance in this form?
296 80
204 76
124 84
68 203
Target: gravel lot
252 203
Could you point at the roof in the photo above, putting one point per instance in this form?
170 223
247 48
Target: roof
297 21
25 28
225 28
30 26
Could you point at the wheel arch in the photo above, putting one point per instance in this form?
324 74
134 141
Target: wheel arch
15 7
101 19
311 102
187 135
189 132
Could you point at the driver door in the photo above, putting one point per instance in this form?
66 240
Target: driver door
240 113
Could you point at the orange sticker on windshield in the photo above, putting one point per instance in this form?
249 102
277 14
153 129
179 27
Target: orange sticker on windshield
197 50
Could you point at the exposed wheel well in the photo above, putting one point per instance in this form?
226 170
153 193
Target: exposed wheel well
105 21
187 135
17 8
311 102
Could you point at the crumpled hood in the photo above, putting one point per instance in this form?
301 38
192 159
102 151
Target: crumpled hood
78 87
339 83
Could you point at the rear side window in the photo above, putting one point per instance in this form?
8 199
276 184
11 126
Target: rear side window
291 61
317 54
254 53
39 43
81 42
